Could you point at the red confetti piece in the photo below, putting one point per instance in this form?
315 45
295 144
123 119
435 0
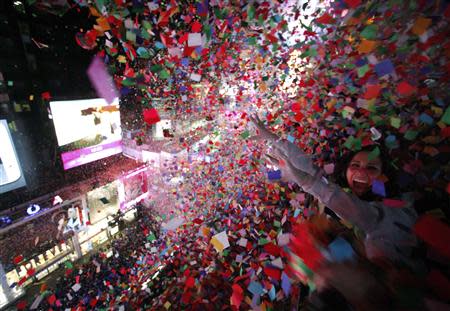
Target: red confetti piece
273 273
196 27
394 203
151 116
17 259
51 299
46 96
439 284
435 233
272 249
372 91
352 3
405 89
325 19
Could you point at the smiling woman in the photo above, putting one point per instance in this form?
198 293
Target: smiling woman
362 171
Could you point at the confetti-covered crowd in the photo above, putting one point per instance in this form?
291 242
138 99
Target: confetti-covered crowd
324 180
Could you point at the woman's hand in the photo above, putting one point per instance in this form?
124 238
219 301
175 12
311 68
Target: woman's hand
299 159
263 132
289 172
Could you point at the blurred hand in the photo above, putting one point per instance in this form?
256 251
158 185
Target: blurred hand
263 131
289 172
297 157
356 283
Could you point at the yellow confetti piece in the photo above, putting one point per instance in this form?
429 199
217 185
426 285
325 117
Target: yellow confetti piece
421 25
441 124
103 23
167 305
367 46
218 246
431 151
94 11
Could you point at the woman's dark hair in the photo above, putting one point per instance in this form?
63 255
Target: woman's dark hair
387 169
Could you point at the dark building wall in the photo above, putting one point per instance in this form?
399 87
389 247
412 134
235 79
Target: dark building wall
38 53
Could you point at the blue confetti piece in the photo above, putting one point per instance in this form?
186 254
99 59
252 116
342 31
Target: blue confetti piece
425 70
220 168
384 68
272 294
274 175
125 91
361 62
341 250
159 45
198 49
424 118
296 212
391 142
334 81
291 138
285 284
378 188
255 288
277 18
202 7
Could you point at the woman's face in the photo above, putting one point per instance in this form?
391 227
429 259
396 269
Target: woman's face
361 172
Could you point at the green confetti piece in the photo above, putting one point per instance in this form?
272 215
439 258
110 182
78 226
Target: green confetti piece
131 36
396 122
370 32
169 64
208 32
261 20
362 71
349 142
374 154
68 265
145 34
217 12
410 135
156 68
128 82
146 24
357 144
151 237
250 12
164 74
142 52
262 241
446 117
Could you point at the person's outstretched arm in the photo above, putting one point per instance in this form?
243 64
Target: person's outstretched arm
299 159
346 205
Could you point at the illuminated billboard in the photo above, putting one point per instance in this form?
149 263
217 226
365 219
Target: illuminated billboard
133 188
103 202
87 130
11 175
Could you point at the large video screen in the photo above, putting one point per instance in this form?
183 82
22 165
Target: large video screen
103 202
87 130
133 188
11 175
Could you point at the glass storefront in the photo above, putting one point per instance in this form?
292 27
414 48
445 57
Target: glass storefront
67 232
